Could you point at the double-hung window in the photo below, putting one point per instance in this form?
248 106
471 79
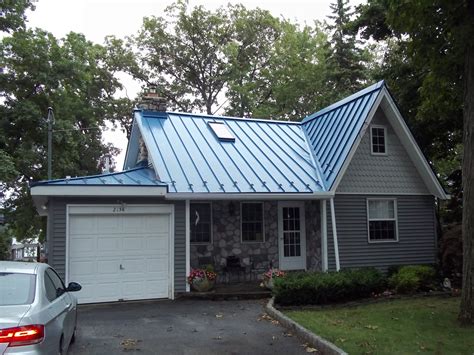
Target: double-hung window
382 220
378 138
201 222
252 222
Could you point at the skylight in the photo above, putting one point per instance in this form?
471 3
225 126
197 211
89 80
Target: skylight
221 131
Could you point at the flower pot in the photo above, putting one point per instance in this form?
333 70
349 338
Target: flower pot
203 285
268 283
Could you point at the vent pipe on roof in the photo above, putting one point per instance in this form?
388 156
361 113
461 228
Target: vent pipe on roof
152 101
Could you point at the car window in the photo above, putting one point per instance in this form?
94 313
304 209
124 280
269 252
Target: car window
16 288
54 285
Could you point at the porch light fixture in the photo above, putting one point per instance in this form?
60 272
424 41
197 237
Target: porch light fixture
231 208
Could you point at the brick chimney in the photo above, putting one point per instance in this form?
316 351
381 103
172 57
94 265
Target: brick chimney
152 101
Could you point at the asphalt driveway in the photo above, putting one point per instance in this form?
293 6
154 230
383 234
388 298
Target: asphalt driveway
181 327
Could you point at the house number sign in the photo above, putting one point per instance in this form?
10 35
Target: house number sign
118 209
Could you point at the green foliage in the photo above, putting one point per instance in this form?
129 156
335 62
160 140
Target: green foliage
330 287
72 76
412 278
348 61
5 242
12 14
423 65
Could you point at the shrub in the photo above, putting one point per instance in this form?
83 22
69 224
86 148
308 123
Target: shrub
322 288
413 278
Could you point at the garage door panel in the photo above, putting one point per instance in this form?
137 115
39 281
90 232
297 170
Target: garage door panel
83 224
107 244
158 223
100 244
109 224
157 244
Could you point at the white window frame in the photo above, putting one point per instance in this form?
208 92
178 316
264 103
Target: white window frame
242 221
395 212
372 142
212 225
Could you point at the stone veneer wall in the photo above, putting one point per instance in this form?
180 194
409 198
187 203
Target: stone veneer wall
313 235
257 256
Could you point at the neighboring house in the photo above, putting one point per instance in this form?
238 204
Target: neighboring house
345 187
24 251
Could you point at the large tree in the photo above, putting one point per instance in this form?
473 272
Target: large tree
70 75
348 60
435 39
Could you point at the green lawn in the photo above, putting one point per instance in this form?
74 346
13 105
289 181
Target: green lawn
423 325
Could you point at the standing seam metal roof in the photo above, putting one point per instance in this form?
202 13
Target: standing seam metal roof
266 157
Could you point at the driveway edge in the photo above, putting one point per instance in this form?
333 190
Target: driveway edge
322 345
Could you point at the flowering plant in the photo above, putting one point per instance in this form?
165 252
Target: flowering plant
273 273
197 275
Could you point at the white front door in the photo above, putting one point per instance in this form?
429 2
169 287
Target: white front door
291 235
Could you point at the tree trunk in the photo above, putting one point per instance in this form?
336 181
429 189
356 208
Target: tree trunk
466 315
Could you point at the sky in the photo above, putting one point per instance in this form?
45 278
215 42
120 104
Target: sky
99 18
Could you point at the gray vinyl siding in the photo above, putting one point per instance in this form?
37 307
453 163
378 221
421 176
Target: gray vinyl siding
416 233
57 233
393 173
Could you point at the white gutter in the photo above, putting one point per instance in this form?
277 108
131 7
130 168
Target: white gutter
248 196
106 190
324 237
188 243
334 234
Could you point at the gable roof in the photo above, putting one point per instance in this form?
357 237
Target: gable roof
333 130
266 156
266 159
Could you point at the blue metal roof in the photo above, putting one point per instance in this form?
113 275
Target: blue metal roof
332 131
266 156
142 176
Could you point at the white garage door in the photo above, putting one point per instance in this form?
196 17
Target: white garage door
123 255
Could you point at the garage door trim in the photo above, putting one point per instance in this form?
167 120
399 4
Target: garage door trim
125 209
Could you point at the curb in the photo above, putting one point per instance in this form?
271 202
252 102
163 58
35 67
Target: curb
322 345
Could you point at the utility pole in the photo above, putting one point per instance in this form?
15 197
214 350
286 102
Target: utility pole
50 122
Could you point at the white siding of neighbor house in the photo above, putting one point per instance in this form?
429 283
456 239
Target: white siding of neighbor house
416 233
57 233
393 173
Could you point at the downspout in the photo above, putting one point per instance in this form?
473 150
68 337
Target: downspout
334 234
188 241
324 237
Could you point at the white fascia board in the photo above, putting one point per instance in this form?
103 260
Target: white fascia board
84 190
403 132
356 143
248 196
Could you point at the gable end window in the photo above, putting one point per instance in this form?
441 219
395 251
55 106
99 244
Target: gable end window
382 220
201 222
378 140
252 221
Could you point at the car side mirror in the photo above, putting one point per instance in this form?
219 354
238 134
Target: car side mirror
73 287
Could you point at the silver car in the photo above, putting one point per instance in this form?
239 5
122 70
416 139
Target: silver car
37 312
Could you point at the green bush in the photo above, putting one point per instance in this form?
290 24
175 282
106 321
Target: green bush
323 288
413 278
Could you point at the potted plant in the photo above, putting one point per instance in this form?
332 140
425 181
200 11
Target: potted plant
270 275
202 280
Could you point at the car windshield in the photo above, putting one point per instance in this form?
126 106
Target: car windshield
16 288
